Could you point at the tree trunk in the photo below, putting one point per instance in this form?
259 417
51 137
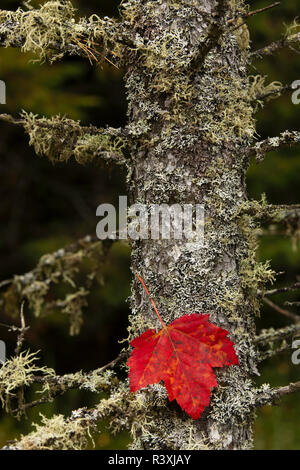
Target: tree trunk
193 119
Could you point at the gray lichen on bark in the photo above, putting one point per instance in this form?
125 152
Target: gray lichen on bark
198 124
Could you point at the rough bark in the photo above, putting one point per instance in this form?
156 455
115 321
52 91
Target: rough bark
195 123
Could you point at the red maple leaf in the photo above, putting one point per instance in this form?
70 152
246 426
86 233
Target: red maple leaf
182 354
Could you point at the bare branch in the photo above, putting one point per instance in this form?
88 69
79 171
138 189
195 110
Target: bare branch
17 412
262 10
21 330
285 139
287 41
279 290
282 311
51 32
266 395
286 390
60 138
5 283
252 13
271 335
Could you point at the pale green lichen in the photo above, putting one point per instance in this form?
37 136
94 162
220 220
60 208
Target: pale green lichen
167 58
109 148
293 29
17 373
58 434
62 268
60 138
72 306
254 274
51 31
258 88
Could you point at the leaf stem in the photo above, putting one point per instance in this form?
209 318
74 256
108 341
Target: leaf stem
151 300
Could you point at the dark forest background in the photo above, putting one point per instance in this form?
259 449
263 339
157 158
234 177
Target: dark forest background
44 207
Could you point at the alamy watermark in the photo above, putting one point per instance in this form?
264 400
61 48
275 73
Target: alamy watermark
296 354
2 101
2 92
2 352
296 94
152 221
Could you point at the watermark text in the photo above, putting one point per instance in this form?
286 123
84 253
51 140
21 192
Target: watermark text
152 221
296 94
2 92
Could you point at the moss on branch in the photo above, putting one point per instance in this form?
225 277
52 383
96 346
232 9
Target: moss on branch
15 374
51 31
75 432
64 267
60 138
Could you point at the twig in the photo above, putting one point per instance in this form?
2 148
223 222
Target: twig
274 46
285 139
6 282
82 130
10 327
264 355
279 290
251 13
83 244
292 304
284 312
287 389
63 380
66 383
274 93
86 419
255 12
32 404
261 10
271 335
76 140
22 330
272 213
13 33
267 396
